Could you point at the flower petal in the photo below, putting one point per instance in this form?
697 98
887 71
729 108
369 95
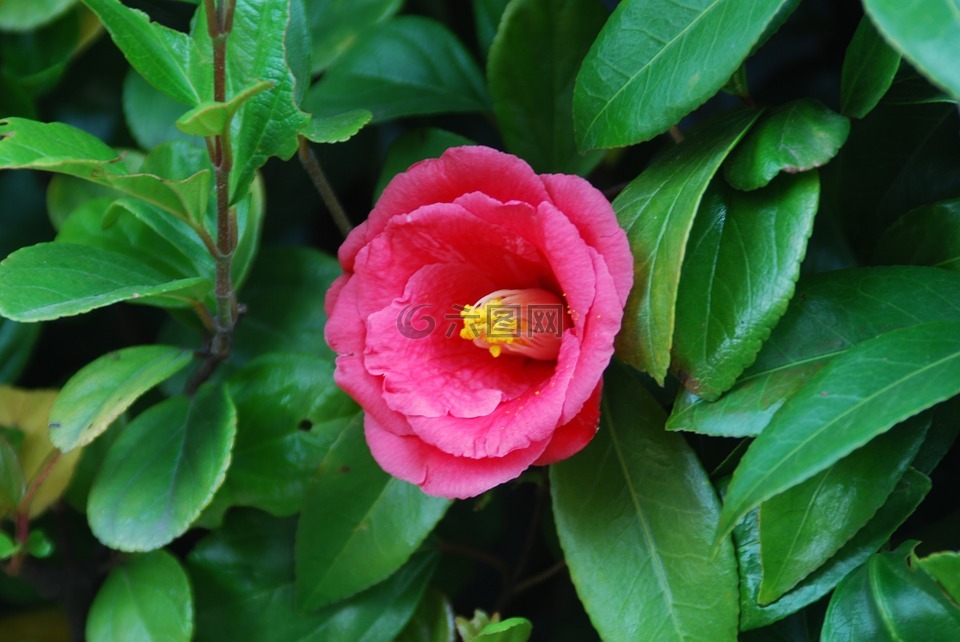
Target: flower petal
573 436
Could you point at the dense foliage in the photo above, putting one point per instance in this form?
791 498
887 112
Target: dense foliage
776 452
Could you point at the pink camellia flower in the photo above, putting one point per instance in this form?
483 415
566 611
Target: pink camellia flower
475 317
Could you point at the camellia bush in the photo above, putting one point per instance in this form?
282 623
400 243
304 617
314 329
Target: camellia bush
494 320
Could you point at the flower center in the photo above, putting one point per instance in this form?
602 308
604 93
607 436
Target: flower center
525 322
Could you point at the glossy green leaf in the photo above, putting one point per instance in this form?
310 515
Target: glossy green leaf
289 413
531 71
211 118
147 598
285 304
66 193
944 567
926 33
166 58
8 547
657 211
60 148
335 25
23 15
793 138
910 491
405 67
12 483
925 236
827 316
413 146
162 471
243 574
16 345
431 622
886 599
742 261
94 397
802 528
646 69
619 506
515 629
358 524
263 47
857 396
53 280
151 115
37 59
868 71
338 128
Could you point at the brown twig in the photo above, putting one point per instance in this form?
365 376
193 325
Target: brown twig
312 166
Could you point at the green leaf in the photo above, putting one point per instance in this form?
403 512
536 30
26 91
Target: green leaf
531 72
24 15
53 280
431 622
414 146
211 118
167 59
857 396
486 17
619 507
646 69
243 574
868 71
944 567
335 25
16 345
162 471
289 413
910 491
408 66
38 544
147 598
888 600
910 88
101 391
828 315
36 59
925 236
742 261
657 211
285 304
9 548
338 128
66 193
261 47
515 629
151 115
793 138
55 147
12 483
803 527
358 524
926 33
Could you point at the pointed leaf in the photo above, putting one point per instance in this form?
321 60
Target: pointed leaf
358 524
828 315
634 512
742 262
646 69
910 491
868 71
101 391
162 471
531 70
803 527
859 395
944 567
405 67
888 600
926 33
338 128
211 118
793 138
53 280
164 57
12 483
657 211
147 598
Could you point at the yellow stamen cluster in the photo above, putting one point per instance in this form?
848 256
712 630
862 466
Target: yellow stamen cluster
501 322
